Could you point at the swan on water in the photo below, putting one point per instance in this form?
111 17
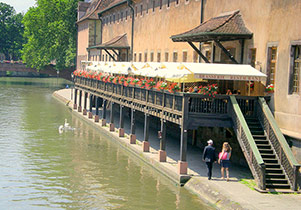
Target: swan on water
65 127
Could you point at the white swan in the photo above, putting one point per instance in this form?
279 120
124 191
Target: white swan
65 127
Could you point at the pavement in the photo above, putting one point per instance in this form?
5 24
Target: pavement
224 195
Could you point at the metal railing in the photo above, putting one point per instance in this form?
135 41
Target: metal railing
279 144
247 144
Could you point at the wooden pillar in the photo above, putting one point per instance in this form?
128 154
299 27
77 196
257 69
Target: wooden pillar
182 164
104 112
133 127
112 127
90 114
162 137
121 122
194 137
145 145
80 101
85 104
75 99
96 119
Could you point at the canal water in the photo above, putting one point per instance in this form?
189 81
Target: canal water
81 169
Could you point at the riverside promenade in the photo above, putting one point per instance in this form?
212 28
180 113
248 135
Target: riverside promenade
221 194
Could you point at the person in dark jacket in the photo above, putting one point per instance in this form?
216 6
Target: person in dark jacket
209 157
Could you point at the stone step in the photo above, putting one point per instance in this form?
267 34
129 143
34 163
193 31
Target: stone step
263 137
274 171
257 133
276 181
268 156
270 160
262 141
275 175
279 186
265 151
264 146
272 165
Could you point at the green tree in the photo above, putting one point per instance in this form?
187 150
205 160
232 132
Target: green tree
11 32
51 32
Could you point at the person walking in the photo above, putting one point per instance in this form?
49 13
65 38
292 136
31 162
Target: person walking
209 157
224 159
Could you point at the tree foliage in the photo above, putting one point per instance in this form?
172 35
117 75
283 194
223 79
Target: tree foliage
11 32
51 32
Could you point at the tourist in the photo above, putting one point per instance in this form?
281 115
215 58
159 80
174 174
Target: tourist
209 157
228 92
224 159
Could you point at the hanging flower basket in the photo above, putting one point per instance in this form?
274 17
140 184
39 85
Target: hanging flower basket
270 88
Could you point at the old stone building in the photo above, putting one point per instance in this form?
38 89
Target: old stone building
264 34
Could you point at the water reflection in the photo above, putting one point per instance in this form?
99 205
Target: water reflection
41 168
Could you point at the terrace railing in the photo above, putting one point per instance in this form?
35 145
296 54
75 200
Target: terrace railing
278 142
153 99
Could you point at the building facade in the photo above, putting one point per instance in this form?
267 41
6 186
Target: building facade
140 31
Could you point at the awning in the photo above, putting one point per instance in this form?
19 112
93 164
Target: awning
240 72
119 42
225 27
181 72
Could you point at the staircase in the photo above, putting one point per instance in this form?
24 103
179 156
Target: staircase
275 177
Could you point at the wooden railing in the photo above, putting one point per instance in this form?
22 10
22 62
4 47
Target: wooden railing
247 144
247 105
161 101
279 144
197 103
204 104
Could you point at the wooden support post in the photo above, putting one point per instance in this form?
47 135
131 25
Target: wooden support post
182 164
104 112
213 53
199 52
110 54
90 115
121 122
242 43
194 135
162 137
145 145
112 127
133 127
85 103
225 51
118 55
96 119
75 99
80 101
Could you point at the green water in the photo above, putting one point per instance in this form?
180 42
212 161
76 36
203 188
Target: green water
81 169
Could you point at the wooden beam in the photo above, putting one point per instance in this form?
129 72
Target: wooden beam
104 109
163 135
110 54
112 112
184 125
146 127
242 43
90 102
199 52
117 54
225 51
133 123
121 121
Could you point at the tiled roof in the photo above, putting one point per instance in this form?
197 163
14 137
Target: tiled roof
229 26
118 42
97 6
91 11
